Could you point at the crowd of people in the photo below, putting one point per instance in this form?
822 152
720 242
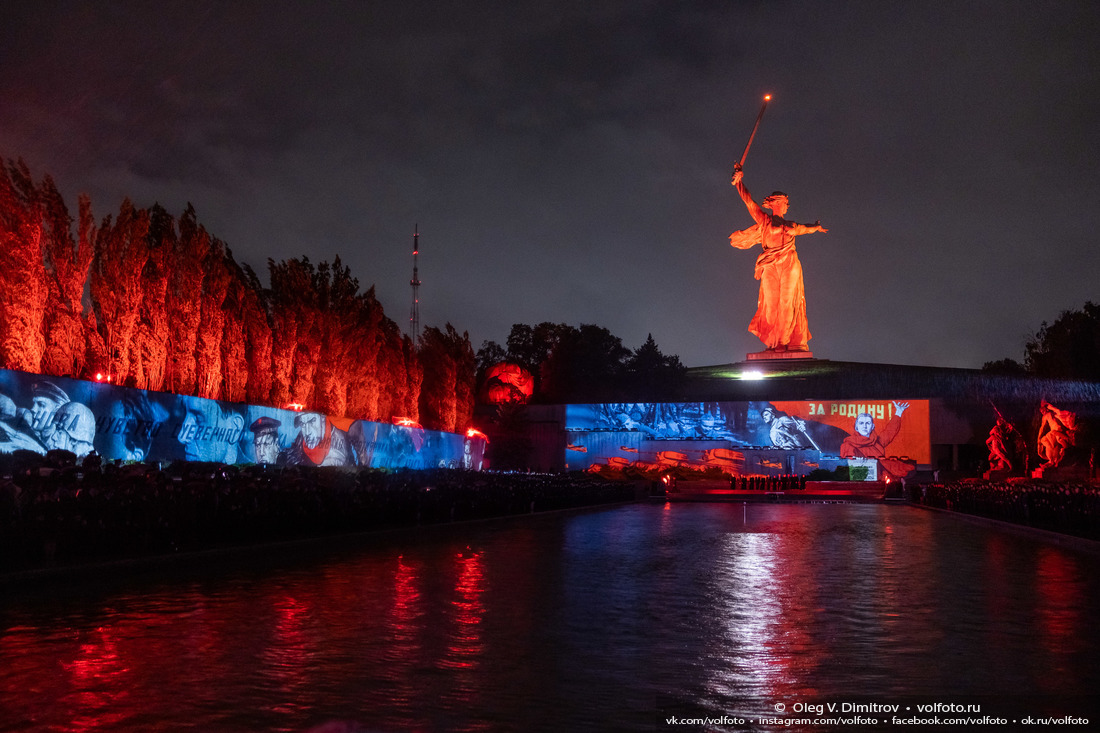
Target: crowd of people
768 483
1069 507
56 512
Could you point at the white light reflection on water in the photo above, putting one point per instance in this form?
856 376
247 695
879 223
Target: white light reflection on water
747 662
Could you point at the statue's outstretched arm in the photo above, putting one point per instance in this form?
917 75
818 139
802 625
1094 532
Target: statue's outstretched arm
808 228
755 211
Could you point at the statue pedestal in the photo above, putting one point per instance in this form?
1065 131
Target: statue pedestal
996 475
1061 473
778 355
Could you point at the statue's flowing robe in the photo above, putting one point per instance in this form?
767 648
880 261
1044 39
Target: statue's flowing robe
780 318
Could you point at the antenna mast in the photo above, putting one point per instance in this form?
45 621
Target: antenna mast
414 313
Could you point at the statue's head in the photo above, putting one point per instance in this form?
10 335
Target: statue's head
777 202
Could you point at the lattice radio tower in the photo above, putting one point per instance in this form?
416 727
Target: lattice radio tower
414 312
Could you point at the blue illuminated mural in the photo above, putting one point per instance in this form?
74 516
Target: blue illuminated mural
759 437
40 413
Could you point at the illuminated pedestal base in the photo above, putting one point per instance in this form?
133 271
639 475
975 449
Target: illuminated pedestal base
778 355
1061 473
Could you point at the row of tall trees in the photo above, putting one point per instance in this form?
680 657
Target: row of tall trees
585 364
159 303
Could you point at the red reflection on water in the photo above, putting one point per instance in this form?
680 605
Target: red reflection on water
1059 601
98 677
291 654
405 615
404 653
795 652
466 648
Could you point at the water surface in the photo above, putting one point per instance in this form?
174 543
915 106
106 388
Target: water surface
581 621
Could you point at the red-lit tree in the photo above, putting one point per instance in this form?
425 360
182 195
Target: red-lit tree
184 301
295 347
364 353
171 309
447 394
399 375
23 289
337 298
257 328
149 352
408 376
66 260
235 333
121 253
209 371
437 395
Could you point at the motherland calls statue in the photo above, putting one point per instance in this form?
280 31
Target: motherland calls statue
780 320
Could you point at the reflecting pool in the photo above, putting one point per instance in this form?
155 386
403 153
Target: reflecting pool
598 620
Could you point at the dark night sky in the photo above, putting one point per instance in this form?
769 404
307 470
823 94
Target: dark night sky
570 161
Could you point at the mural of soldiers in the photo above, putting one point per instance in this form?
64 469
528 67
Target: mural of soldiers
46 398
265 440
133 422
209 430
73 429
784 431
15 434
319 442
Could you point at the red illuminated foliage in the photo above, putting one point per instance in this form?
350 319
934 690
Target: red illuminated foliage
150 354
66 262
364 353
185 301
437 397
447 397
23 291
337 303
246 290
121 252
290 324
169 308
403 381
235 334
